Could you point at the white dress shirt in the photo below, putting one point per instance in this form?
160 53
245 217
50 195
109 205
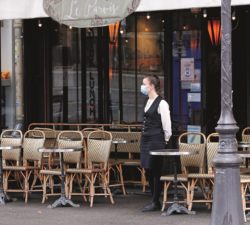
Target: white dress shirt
163 109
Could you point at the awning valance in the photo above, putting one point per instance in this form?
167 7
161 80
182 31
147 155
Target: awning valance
21 9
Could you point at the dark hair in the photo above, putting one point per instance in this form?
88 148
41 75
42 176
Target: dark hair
155 80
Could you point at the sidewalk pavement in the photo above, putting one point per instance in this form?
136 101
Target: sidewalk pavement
125 211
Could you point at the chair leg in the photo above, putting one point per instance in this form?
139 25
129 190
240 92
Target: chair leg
243 199
45 179
92 189
26 185
143 180
190 193
119 168
165 194
108 190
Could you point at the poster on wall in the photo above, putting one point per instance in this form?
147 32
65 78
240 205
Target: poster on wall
187 69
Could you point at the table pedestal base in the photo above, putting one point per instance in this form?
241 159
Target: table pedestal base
63 201
4 198
175 207
248 216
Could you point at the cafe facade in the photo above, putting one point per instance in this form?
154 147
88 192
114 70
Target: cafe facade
93 75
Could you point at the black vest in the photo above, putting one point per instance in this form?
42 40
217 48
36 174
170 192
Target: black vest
152 119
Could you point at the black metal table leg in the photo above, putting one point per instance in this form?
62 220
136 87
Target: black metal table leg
63 200
176 207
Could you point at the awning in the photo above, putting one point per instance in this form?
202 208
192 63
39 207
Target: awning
21 9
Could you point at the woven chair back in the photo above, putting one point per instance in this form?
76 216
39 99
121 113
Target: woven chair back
133 140
32 140
98 150
50 136
71 139
192 141
246 134
8 139
87 130
212 149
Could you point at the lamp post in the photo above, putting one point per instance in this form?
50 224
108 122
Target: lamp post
227 207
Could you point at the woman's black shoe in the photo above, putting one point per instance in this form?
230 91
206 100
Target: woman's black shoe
154 206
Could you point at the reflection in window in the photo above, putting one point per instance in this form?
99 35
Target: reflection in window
92 76
66 75
150 38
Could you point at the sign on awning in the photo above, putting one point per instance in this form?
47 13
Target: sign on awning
89 13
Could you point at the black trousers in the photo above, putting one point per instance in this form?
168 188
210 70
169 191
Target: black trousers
153 176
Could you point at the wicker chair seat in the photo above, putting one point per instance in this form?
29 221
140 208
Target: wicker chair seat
130 162
78 170
245 178
19 168
51 172
180 177
201 175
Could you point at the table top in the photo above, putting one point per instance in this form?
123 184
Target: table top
244 154
9 147
172 152
119 141
59 149
243 144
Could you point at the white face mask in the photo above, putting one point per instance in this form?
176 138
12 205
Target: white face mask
144 89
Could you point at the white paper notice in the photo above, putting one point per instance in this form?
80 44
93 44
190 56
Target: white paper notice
194 97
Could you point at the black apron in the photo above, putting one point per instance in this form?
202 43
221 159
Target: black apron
152 136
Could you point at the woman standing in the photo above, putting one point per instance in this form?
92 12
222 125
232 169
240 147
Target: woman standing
156 132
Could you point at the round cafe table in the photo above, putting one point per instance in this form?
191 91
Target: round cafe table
63 200
175 207
116 142
3 196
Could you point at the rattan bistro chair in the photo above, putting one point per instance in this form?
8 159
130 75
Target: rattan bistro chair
96 171
11 157
65 139
32 140
50 142
245 137
189 141
246 134
131 159
204 181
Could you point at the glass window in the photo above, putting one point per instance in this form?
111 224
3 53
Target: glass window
66 75
150 51
92 75
187 80
128 69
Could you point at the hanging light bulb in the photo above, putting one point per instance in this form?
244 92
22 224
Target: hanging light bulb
40 23
233 15
148 16
204 13
70 27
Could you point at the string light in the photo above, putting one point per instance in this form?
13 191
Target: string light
148 16
40 23
204 13
233 15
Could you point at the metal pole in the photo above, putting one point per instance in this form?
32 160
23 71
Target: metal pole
18 31
227 206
